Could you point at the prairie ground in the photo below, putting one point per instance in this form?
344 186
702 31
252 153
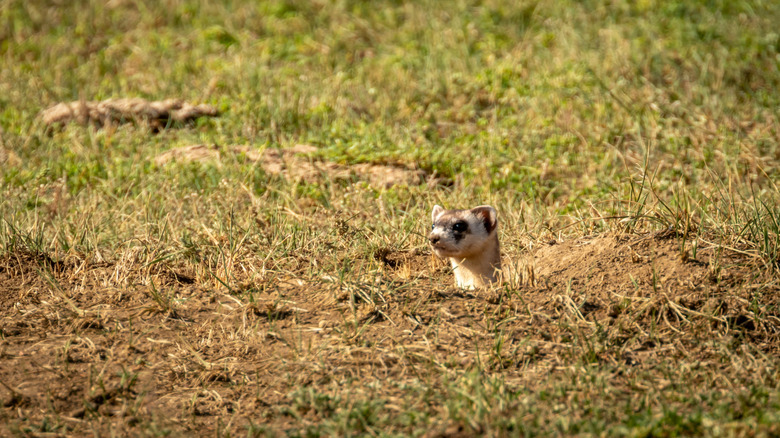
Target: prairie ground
260 268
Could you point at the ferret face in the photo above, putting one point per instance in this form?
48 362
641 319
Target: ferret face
461 233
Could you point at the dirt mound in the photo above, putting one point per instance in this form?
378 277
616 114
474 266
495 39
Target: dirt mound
611 264
156 114
200 153
609 275
640 277
296 163
614 263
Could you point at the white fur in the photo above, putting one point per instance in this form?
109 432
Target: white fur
475 256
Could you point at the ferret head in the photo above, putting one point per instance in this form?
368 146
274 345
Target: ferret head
462 233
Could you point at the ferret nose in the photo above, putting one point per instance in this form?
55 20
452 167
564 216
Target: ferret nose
433 239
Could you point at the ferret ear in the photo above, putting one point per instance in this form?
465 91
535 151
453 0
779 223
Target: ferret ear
488 215
437 211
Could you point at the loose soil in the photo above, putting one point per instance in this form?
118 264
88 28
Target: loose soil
296 163
78 342
156 114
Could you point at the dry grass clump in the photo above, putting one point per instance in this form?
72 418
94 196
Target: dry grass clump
8 157
156 114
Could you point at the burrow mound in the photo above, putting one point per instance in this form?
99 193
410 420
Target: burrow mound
296 163
659 261
611 263
157 114
634 277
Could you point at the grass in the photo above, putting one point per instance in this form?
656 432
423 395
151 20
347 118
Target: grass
259 305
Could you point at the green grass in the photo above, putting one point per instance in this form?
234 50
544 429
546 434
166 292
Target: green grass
572 118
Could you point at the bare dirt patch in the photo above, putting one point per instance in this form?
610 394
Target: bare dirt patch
297 164
80 343
156 114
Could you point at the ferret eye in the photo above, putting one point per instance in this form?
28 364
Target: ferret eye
460 227
433 226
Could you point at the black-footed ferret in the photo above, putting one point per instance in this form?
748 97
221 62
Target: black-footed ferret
470 240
